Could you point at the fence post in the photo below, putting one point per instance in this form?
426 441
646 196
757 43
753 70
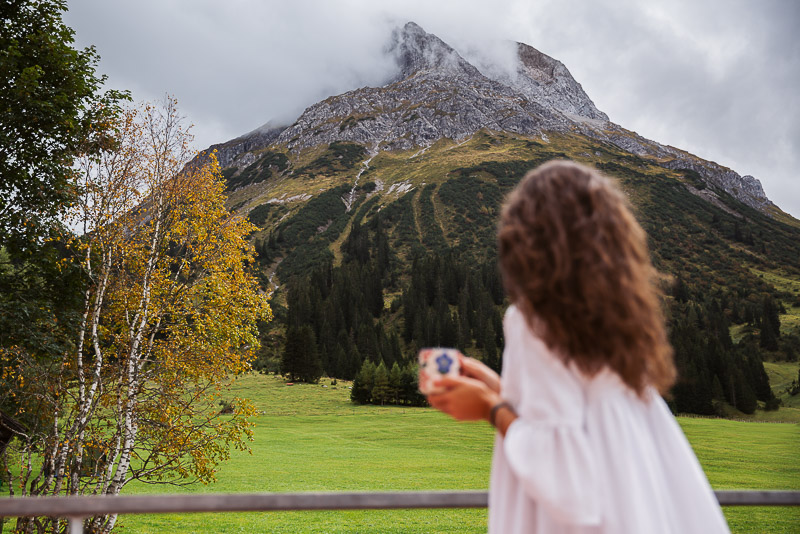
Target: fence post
75 525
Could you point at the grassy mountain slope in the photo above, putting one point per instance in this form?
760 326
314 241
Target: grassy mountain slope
465 184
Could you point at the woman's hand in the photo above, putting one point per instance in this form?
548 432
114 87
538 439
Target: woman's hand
472 368
465 398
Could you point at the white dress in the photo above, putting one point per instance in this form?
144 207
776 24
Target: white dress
586 455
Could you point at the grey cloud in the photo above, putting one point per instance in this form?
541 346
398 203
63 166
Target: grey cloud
718 78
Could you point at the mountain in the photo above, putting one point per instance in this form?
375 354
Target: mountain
437 94
381 204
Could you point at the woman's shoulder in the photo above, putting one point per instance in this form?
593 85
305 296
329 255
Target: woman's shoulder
511 312
526 348
515 319
517 330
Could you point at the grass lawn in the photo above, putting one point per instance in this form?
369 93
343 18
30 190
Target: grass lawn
313 439
310 438
745 455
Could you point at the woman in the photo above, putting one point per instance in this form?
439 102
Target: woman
585 442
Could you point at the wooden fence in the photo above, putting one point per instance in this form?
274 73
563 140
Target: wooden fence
76 509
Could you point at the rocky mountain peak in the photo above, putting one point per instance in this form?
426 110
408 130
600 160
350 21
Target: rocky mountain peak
538 66
437 94
416 50
541 78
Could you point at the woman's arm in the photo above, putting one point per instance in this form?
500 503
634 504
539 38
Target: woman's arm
470 399
546 448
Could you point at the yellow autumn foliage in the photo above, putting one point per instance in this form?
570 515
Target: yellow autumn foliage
170 315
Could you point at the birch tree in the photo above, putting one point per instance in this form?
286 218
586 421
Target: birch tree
169 317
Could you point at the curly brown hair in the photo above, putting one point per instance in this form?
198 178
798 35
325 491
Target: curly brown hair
575 262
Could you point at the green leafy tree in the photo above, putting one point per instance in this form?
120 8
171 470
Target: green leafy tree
51 110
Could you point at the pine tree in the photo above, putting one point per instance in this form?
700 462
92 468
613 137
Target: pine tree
339 356
301 360
770 324
716 390
419 337
367 342
356 247
381 391
767 338
382 251
410 389
745 397
749 316
312 363
758 379
397 352
736 317
450 283
292 354
362 383
462 336
354 362
327 347
384 347
350 361
464 314
409 313
373 291
395 383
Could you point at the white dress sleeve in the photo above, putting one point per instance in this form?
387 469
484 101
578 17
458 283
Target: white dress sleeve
547 446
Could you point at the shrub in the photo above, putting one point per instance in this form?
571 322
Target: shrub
338 157
258 171
227 406
259 214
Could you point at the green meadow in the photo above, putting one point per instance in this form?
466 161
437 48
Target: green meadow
311 438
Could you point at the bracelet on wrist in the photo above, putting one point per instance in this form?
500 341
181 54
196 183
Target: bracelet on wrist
496 408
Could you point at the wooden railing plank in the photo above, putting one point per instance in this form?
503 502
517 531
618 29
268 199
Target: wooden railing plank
85 506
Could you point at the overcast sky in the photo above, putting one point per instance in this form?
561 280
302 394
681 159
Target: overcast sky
719 78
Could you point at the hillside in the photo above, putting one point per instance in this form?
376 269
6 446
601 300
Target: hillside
381 204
